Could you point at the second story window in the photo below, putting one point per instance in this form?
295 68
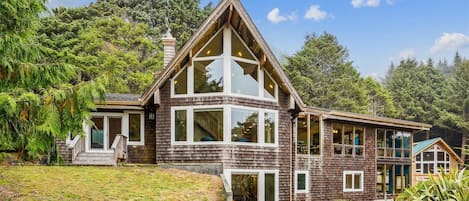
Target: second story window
392 143
431 160
225 66
308 140
348 140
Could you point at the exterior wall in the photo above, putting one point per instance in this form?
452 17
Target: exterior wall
230 156
326 171
144 154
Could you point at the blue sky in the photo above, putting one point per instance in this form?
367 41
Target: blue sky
376 32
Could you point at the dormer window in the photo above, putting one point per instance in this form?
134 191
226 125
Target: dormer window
224 66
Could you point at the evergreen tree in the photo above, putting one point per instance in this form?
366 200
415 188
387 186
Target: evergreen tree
38 101
324 76
414 89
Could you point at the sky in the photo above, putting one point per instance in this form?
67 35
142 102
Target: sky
376 32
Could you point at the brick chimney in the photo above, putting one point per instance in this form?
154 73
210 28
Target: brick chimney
169 48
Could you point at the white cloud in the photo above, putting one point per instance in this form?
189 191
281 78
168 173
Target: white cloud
451 42
407 54
275 17
314 13
365 3
390 2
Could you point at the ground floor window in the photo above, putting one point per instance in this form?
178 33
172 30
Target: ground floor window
253 185
353 181
391 179
301 181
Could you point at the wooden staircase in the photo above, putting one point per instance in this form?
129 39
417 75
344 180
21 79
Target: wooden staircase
77 155
90 158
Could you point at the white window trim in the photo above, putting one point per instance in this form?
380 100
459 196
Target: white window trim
87 129
353 173
306 173
226 125
435 149
227 57
142 127
260 181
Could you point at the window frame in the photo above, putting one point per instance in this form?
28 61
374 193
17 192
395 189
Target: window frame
386 149
306 173
227 58
142 127
261 180
353 173
309 136
434 163
343 145
226 125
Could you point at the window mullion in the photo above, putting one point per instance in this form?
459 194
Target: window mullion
261 128
308 134
190 124
227 60
260 81
227 124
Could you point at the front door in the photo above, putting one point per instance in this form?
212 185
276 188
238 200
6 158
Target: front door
101 135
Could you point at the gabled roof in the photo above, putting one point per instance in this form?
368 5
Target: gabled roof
424 145
230 7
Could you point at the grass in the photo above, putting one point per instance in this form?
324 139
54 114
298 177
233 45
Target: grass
105 183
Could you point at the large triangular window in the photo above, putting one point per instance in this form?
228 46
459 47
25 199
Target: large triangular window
214 47
239 49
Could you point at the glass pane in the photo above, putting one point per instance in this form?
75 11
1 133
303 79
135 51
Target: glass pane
337 132
407 138
380 184
302 136
134 127
418 157
398 140
244 78
180 123
348 135
399 178
338 149
208 76
244 125
180 83
269 86
380 139
269 127
441 156
301 181
428 156
208 125
359 151
418 166
389 179
238 49
357 181
380 152
389 138
214 48
407 176
425 168
97 133
348 150
314 131
115 127
269 187
406 153
244 187
359 136
348 181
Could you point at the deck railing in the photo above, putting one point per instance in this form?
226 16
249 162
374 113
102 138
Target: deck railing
120 148
76 146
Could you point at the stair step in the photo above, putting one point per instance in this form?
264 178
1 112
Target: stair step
91 158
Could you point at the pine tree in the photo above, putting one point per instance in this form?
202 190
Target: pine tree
38 101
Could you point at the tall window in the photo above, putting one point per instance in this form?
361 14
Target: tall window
136 128
224 123
431 160
253 185
308 139
392 143
348 140
214 70
353 181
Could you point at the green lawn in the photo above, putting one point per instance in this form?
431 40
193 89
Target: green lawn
105 183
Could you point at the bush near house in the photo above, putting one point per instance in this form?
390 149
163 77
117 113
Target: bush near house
453 186
106 183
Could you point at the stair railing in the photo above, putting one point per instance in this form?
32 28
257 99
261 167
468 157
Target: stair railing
76 146
119 145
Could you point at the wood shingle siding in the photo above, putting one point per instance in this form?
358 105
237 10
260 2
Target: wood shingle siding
231 156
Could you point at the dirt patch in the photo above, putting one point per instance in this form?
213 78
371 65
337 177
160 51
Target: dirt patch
7 193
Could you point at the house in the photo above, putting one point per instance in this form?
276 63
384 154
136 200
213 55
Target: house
430 157
223 105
